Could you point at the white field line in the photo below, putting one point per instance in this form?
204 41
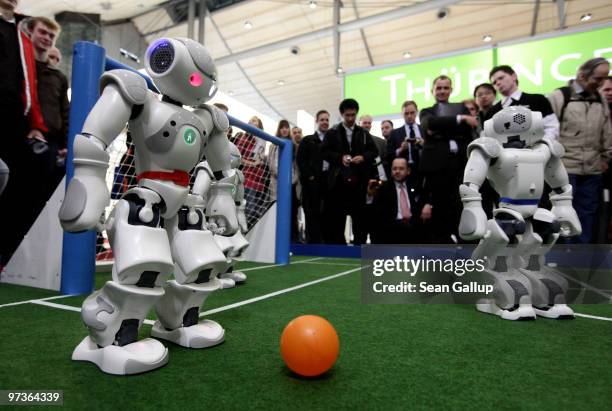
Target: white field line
44 301
338 264
246 269
593 317
39 299
280 265
587 286
279 292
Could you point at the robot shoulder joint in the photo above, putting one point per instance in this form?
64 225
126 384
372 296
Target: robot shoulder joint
489 146
556 148
219 118
132 86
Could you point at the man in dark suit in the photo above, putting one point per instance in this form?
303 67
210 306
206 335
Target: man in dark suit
505 80
448 131
400 208
313 173
380 169
407 141
350 151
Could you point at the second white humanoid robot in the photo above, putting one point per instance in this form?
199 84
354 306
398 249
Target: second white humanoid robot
517 159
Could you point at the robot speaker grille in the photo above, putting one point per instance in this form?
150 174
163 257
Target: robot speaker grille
161 57
519 118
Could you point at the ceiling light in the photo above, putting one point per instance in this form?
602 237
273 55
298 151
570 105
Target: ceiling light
487 38
339 70
248 25
281 82
312 4
586 17
230 93
407 54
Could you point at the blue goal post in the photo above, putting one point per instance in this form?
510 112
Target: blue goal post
79 249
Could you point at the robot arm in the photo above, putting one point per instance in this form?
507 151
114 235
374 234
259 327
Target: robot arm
561 195
241 203
473 218
87 194
220 207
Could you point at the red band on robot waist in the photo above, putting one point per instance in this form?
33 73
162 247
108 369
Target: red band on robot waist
177 176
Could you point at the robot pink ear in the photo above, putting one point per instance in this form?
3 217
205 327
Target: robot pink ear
195 79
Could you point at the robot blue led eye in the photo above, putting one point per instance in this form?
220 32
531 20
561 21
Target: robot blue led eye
161 57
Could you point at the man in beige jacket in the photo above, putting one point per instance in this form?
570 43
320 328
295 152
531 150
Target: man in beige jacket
586 135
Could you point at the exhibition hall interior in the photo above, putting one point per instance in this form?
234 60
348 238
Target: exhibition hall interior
321 204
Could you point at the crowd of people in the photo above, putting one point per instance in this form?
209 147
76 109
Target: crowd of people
403 187
34 116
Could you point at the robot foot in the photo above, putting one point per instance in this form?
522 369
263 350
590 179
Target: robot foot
227 282
204 334
521 312
135 358
237 276
555 312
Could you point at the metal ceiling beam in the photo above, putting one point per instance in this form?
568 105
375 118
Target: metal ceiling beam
342 28
363 37
201 19
190 19
534 22
336 34
246 76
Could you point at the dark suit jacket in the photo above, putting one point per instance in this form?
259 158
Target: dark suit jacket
335 146
386 207
396 139
309 159
381 146
438 131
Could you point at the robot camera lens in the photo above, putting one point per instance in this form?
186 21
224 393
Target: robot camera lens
161 57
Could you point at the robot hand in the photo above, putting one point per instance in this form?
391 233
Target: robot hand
83 203
242 221
86 195
564 212
221 209
567 217
473 222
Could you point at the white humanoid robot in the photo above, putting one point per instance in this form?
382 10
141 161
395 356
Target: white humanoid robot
156 228
4 175
517 159
232 246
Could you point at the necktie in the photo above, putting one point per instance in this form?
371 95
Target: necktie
410 135
404 204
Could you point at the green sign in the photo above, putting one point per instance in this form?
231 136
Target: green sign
542 66
545 65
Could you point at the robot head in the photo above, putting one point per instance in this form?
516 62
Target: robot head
182 69
515 123
235 156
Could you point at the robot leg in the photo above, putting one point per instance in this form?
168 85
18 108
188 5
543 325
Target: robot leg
196 256
239 245
114 313
549 286
227 246
511 300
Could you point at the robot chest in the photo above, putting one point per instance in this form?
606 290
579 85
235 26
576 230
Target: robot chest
173 139
520 171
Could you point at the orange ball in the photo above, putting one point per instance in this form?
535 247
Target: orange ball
309 345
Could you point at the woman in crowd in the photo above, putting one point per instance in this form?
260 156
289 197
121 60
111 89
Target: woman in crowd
283 131
252 150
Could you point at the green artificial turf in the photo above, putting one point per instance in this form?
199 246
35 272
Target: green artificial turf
391 356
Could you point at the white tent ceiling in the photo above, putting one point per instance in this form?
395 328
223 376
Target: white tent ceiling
310 81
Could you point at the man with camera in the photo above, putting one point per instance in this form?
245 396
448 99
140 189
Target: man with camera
407 140
350 152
